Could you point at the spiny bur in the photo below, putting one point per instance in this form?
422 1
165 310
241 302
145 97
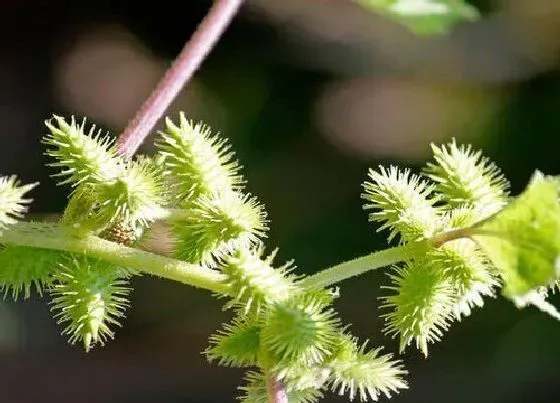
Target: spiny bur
218 225
24 269
12 203
196 161
459 189
89 297
107 189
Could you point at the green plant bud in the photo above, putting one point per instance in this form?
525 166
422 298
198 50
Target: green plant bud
523 240
469 272
24 268
257 391
236 345
364 374
83 158
12 203
302 329
403 203
254 282
196 161
81 212
421 306
89 295
465 177
218 225
134 199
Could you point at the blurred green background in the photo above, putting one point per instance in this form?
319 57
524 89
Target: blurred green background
310 93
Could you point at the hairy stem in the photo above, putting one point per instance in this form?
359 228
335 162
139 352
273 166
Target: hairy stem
444 237
188 61
276 391
363 264
49 236
52 236
384 258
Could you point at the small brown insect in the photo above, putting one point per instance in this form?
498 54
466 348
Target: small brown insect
120 233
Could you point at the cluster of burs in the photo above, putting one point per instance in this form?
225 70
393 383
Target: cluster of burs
285 332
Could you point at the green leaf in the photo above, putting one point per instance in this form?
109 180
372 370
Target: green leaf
523 240
425 16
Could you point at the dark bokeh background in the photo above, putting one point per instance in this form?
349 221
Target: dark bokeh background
311 93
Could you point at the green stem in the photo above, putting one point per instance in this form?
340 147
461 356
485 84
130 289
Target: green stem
363 264
384 258
49 236
53 236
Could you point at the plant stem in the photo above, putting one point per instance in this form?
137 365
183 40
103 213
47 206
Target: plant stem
363 264
386 257
276 391
444 237
188 61
54 236
49 236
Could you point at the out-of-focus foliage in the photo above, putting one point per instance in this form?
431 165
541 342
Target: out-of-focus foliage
425 16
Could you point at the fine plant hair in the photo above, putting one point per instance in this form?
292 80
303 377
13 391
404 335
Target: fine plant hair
458 238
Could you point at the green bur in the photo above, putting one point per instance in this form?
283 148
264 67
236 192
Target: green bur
89 296
523 240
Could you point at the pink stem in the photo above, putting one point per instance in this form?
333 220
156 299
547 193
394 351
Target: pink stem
188 61
276 391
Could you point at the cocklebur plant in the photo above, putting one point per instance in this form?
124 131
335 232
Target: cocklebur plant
281 330
460 238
